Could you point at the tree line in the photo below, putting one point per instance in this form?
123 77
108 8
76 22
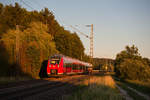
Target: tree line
102 63
31 37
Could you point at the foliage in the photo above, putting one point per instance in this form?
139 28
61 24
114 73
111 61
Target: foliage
35 45
134 69
67 43
86 58
99 63
10 16
130 65
146 60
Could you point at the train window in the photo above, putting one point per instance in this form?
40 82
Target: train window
80 67
55 61
64 65
68 65
73 67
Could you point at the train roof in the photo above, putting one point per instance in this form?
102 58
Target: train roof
71 60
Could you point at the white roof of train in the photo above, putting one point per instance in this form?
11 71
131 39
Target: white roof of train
72 60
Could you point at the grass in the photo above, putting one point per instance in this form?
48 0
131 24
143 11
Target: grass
142 86
97 88
132 94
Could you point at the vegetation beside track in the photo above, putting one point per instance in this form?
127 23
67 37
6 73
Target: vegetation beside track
130 65
142 86
131 93
133 72
97 88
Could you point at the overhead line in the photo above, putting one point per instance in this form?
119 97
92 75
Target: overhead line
26 4
37 4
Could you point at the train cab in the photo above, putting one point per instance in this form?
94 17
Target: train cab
54 66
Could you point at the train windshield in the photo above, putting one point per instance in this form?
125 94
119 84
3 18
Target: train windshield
54 61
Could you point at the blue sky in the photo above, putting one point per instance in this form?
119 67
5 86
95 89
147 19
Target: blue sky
117 23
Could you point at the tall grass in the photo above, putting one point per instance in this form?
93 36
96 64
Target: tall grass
97 88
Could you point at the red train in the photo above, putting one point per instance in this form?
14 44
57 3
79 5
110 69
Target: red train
61 65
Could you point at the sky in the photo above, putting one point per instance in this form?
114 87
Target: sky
117 23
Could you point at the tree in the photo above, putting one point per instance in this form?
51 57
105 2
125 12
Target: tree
12 16
134 69
146 60
129 64
69 44
35 46
98 63
77 48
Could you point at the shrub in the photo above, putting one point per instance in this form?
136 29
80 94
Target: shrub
130 65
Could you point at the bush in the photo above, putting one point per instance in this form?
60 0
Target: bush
130 65
133 69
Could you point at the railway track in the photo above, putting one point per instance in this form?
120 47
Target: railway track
45 90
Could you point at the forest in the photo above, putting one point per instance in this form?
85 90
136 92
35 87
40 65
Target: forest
27 38
102 63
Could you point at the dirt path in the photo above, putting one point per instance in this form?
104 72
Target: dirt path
124 93
133 90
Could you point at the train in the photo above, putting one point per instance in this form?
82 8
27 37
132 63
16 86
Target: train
63 65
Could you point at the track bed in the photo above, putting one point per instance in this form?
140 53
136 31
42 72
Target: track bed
46 89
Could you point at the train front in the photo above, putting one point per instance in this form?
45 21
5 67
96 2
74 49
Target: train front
54 66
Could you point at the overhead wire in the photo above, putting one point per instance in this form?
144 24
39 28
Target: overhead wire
37 4
27 4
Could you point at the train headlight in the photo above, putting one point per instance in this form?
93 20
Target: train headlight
49 65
